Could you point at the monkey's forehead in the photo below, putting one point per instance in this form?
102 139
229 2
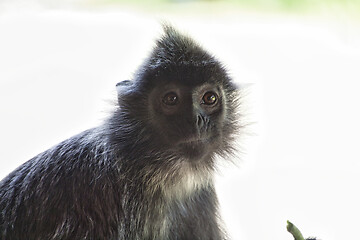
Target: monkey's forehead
187 74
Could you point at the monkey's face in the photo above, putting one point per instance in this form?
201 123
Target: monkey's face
188 118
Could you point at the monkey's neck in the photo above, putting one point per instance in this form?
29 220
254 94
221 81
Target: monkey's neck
167 198
178 182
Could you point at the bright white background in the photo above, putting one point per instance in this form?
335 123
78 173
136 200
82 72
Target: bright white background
59 66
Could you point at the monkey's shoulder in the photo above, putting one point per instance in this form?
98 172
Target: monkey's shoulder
83 156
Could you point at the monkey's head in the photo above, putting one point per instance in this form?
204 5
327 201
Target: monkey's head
182 100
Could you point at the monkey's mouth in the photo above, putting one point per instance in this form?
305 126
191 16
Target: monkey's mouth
196 140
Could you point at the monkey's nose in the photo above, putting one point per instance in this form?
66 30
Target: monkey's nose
201 122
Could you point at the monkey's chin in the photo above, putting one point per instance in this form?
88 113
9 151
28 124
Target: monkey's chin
193 151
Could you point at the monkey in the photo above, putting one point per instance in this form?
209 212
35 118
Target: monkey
147 172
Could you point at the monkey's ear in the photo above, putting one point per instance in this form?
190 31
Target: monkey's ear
124 90
123 86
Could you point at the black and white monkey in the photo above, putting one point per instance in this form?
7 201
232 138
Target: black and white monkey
147 171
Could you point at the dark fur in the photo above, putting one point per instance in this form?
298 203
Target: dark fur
128 179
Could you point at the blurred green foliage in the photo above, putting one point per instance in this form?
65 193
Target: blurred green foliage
276 5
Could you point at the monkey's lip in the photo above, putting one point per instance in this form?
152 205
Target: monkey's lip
195 141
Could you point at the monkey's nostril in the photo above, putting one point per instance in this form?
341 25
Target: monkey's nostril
200 121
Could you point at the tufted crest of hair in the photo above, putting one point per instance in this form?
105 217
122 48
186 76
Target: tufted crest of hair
175 48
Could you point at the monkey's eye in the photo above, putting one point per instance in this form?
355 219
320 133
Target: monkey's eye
209 98
170 99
